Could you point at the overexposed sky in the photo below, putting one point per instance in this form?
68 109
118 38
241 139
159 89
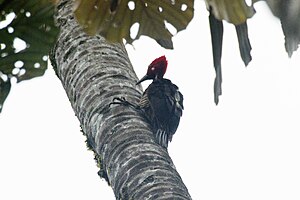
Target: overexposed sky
245 148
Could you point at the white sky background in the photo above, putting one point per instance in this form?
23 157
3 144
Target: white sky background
247 147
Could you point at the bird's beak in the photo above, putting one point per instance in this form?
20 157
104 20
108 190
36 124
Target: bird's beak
146 77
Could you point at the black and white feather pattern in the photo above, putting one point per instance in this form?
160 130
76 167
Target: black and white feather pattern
163 105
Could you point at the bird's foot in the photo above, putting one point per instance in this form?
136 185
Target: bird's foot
122 101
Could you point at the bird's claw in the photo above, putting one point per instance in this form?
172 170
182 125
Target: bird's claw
119 100
122 101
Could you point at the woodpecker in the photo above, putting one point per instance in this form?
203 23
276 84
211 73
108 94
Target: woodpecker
161 102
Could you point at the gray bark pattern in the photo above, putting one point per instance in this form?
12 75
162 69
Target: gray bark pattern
93 72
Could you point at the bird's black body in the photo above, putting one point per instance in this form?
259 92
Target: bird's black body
163 104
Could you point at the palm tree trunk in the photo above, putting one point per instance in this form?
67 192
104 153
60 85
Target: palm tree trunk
93 72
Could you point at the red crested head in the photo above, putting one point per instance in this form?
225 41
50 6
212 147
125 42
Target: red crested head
156 70
158 67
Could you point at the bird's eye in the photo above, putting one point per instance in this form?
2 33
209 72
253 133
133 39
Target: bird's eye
152 68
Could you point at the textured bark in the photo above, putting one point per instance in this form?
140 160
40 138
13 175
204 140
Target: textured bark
93 72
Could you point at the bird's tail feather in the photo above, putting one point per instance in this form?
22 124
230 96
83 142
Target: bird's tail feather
162 137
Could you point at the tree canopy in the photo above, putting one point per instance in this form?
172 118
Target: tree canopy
27 29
